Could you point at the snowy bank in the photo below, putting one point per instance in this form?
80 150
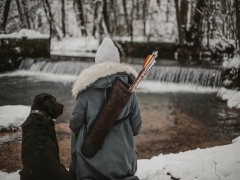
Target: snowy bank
11 117
84 46
230 78
220 162
25 33
231 96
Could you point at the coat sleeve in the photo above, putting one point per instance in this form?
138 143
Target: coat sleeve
135 116
78 116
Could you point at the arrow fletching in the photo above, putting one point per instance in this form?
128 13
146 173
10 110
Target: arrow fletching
147 65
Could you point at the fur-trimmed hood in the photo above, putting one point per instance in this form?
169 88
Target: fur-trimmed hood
97 71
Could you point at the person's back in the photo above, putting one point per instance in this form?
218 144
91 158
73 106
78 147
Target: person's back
117 157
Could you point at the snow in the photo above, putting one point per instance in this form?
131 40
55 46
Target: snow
12 117
220 162
25 33
231 96
84 46
226 94
232 63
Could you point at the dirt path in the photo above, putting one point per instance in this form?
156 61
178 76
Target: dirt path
165 130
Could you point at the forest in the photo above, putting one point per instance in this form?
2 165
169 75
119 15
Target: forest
198 28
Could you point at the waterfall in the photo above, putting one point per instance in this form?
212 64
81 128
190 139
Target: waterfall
173 74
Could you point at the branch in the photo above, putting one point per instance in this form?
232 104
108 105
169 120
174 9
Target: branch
219 33
173 177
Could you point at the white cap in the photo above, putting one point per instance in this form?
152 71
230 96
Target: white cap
107 52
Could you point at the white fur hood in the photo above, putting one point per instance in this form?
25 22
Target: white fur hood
90 75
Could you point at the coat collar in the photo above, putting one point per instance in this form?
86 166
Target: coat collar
90 75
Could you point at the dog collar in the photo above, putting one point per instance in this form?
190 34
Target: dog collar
41 113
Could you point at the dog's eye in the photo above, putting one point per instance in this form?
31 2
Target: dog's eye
54 99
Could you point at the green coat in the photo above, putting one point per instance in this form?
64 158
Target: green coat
117 158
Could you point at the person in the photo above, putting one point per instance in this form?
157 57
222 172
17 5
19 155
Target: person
117 158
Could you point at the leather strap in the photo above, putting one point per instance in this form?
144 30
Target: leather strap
121 120
40 112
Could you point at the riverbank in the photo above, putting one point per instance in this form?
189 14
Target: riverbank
169 126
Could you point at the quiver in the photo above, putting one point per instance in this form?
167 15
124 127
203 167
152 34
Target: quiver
106 118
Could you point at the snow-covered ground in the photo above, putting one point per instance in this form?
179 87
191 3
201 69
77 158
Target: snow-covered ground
216 163
231 96
25 33
79 47
12 117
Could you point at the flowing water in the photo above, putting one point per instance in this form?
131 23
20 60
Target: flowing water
167 116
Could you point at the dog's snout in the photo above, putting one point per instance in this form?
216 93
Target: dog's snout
60 108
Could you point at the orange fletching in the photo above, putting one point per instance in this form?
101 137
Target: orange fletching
146 60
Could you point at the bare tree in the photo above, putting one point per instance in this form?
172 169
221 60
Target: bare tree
48 12
145 14
26 13
63 18
4 15
105 15
131 27
237 5
81 17
113 18
179 23
126 16
96 18
20 13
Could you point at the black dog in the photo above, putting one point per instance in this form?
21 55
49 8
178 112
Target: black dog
40 151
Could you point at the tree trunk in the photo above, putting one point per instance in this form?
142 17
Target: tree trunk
48 12
114 20
131 29
96 18
237 5
144 8
81 17
197 18
4 15
179 23
197 26
26 13
126 15
63 18
137 10
105 15
184 12
20 13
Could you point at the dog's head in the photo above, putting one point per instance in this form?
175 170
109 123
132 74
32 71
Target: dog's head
47 103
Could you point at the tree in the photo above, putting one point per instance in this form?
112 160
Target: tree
181 16
81 17
6 7
20 13
63 18
237 5
26 13
144 14
126 16
48 12
105 15
179 23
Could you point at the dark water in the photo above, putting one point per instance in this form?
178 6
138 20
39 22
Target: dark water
22 90
201 106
